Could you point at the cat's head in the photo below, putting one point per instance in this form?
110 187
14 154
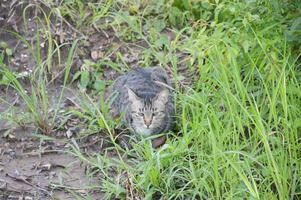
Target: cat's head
147 113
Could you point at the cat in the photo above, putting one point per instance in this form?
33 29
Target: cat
144 99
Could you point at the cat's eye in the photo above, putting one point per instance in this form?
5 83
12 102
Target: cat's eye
141 114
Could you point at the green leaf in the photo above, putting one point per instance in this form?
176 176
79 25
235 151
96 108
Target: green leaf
175 16
76 76
99 85
207 6
163 40
9 52
3 45
246 45
159 25
84 79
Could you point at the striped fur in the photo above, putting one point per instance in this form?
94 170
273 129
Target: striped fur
148 107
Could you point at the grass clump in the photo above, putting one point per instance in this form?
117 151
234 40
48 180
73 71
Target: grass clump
36 98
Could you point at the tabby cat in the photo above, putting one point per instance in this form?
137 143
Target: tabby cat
144 98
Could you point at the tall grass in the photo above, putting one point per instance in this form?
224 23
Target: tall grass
36 98
238 138
238 132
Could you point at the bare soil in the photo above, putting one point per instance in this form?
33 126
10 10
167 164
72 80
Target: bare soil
31 168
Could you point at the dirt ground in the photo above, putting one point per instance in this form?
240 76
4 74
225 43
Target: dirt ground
30 167
33 167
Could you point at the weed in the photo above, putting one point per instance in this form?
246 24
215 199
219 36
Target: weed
36 98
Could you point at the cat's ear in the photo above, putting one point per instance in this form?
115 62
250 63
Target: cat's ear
162 97
132 95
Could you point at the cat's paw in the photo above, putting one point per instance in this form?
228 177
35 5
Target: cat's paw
158 142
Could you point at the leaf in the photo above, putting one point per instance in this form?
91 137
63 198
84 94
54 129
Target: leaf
8 134
246 45
134 9
207 6
162 41
76 76
9 52
84 79
3 45
99 85
297 123
159 25
175 16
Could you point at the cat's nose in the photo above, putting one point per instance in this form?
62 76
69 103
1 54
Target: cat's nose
147 122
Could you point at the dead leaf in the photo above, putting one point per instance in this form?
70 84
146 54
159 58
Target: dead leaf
95 55
157 142
69 133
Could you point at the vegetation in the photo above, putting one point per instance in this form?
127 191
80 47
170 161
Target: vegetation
238 133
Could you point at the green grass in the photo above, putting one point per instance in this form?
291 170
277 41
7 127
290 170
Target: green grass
36 97
238 133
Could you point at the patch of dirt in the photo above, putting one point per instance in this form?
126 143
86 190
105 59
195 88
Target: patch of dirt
34 169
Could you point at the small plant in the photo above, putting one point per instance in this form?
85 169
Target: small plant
36 98
5 50
90 77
